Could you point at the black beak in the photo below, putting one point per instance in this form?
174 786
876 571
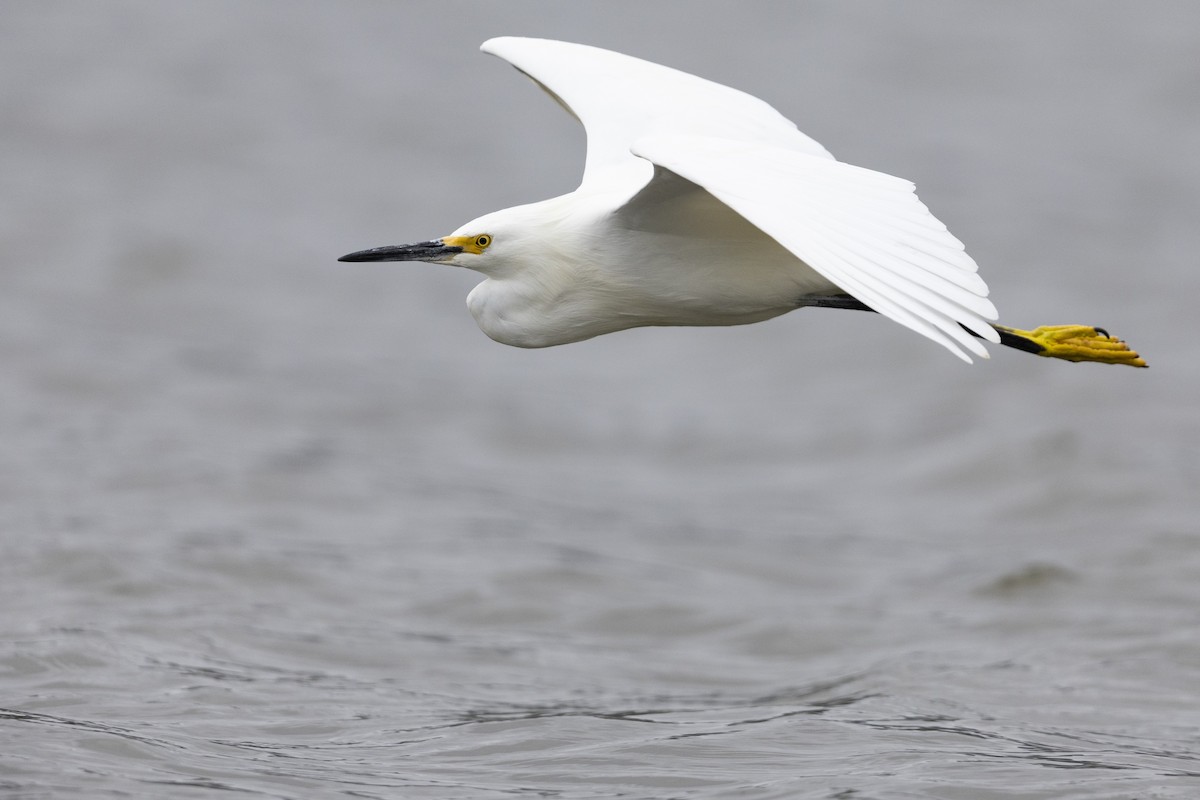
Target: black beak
434 250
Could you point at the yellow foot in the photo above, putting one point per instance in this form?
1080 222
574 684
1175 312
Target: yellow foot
1071 342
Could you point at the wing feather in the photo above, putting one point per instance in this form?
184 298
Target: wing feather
619 98
864 230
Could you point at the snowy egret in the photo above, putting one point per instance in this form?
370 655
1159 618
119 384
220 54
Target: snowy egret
703 205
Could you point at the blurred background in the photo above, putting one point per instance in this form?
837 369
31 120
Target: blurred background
276 525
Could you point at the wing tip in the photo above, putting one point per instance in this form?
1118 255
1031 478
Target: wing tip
490 46
502 46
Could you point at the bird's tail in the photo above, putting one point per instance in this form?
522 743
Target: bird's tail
1072 343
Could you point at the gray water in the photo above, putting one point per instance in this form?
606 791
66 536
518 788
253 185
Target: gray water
274 526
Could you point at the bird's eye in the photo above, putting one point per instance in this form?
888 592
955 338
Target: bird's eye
482 241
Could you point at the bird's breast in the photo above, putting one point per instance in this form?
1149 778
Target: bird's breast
528 314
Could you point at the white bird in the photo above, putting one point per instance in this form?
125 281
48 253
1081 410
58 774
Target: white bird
703 205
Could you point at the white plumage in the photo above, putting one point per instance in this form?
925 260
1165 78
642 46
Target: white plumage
700 205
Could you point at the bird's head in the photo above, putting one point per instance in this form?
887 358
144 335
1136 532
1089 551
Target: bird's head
495 244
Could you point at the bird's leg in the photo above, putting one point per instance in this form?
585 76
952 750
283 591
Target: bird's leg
1068 342
844 301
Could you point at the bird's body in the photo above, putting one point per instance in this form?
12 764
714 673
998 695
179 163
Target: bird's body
702 205
642 269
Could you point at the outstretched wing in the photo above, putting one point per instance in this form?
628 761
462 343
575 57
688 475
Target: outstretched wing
864 230
619 99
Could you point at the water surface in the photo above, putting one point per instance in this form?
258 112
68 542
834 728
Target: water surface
274 526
